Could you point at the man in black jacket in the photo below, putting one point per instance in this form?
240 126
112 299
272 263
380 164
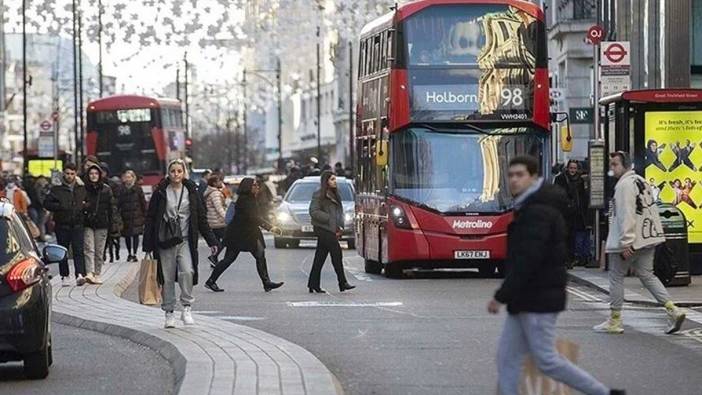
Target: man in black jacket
67 202
535 288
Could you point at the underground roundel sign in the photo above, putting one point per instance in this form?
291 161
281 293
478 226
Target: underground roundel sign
615 53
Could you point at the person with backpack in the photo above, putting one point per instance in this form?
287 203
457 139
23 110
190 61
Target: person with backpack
635 229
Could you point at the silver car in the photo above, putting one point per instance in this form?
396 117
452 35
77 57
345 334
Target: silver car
293 214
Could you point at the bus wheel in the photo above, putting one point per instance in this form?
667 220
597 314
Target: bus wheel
393 270
487 269
373 267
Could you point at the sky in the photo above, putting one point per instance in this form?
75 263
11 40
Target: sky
145 40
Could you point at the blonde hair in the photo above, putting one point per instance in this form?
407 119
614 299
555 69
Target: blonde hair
186 173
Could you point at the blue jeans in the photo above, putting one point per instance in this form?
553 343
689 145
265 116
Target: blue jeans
72 237
582 244
535 334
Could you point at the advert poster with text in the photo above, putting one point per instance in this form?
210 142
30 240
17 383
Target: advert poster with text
673 163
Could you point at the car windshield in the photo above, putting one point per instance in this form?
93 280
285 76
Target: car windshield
9 244
459 171
303 191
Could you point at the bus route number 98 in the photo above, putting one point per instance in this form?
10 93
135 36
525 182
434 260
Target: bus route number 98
512 97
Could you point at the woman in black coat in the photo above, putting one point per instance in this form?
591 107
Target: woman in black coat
132 207
176 210
327 215
244 234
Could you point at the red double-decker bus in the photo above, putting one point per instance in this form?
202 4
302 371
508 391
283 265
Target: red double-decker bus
449 92
136 132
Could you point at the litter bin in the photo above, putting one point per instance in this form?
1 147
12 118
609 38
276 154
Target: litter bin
672 261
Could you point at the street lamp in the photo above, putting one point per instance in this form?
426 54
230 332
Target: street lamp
278 87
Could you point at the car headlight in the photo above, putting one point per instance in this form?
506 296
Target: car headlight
348 217
283 217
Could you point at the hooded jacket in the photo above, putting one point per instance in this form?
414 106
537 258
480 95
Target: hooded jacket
633 216
99 208
536 253
66 202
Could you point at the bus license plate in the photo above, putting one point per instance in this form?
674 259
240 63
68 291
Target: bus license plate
472 254
307 228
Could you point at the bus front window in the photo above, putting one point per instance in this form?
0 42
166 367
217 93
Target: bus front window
458 171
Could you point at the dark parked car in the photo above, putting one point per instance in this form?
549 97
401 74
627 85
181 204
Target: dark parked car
25 295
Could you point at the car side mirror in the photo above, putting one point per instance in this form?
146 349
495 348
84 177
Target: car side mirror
53 253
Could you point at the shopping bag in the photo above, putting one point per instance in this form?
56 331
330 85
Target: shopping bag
33 228
149 290
533 382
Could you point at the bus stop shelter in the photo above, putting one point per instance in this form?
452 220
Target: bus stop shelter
662 131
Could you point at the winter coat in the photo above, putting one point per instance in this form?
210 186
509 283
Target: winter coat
326 213
536 254
633 216
577 199
99 208
198 224
244 232
132 207
216 209
66 203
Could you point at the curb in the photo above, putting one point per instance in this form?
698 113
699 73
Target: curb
591 284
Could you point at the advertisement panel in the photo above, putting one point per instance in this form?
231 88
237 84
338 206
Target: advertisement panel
673 163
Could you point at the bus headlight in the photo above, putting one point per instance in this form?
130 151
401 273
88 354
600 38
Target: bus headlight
399 218
283 217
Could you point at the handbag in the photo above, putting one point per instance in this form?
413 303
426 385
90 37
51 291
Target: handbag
149 290
32 227
172 233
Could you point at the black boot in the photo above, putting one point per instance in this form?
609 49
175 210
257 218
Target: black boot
212 286
268 286
345 287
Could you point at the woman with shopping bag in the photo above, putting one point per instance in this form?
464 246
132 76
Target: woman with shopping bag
174 221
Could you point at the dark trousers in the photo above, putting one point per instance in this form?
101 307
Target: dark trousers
113 246
327 244
261 266
72 238
132 243
219 234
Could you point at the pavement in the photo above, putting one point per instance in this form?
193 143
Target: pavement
634 292
88 363
212 357
429 333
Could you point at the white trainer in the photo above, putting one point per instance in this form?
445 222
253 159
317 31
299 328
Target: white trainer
90 278
65 282
80 280
170 320
97 280
676 317
187 316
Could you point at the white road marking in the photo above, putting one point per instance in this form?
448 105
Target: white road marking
239 318
359 275
343 304
207 312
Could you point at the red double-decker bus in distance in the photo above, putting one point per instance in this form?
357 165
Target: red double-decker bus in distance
138 133
449 92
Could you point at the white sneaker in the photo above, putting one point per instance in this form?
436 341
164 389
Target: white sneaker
612 326
170 320
676 317
97 280
65 282
90 278
80 280
187 316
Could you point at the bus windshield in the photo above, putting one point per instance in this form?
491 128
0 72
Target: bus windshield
126 144
458 171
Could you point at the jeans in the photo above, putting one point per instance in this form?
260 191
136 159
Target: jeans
327 244
95 240
534 334
642 263
177 261
71 238
230 257
582 244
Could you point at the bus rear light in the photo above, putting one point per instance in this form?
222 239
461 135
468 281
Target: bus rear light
23 274
399 217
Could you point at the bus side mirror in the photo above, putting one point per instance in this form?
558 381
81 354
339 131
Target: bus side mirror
381 153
